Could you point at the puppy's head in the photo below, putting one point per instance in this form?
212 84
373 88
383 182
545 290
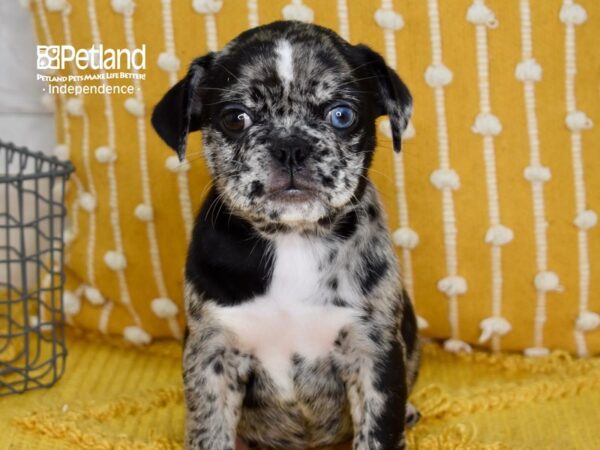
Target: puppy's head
287 113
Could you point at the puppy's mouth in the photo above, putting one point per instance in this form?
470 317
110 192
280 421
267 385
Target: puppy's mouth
292 195
291 190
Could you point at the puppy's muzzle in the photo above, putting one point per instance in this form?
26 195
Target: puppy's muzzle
289 180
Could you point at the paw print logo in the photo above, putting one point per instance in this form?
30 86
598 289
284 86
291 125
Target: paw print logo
48 57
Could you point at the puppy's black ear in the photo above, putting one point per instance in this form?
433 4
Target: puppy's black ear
391 94
179 111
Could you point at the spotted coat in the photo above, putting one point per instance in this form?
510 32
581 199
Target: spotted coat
299 331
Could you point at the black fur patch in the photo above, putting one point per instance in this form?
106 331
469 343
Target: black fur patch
337 301
250 398
391 380
333 283
372 212
186 334
346 225
409 325
228 262
375 268
256 189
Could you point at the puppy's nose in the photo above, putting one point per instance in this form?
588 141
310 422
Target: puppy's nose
290 153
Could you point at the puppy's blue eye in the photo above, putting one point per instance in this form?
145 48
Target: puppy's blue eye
236 120
341 117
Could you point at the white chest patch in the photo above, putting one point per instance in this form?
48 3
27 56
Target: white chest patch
285 64
290 318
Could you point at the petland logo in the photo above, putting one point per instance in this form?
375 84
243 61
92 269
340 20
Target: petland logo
103 70
56 57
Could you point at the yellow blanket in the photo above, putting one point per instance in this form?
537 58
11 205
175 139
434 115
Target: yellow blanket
117 397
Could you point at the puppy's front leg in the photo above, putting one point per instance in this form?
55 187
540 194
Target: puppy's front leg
375 380
214 376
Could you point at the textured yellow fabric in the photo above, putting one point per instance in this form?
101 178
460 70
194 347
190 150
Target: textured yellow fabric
413 44
113 397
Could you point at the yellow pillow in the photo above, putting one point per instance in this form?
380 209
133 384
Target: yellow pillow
493 203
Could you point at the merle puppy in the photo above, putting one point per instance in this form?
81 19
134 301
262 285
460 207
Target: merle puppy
299 331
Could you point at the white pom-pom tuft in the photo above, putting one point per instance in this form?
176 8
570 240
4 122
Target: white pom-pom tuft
47 101
25 3
445 178
144 212
438 75
87 201
35 321
406 238
136 335
173 164
125 7
207 6
385 128
168 62
499 235
388 19
298 12
452 285
537 173
528 70
71 303
68 236
578 120
422 323
536 352
456 346
588 321
134 107
487 125
105 155
547 281
93 295
115 260
480 14
493 326
61 151
57 5
74 106
409 132
586 219
164 308
573 14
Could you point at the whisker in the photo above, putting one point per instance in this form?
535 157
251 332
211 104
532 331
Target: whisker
360 66
355 80
208 186
228 71
207 88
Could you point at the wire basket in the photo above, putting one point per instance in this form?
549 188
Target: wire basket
32 214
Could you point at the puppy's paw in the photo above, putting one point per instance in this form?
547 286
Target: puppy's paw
412 415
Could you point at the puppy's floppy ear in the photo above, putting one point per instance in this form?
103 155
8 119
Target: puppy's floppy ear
179 111
392 96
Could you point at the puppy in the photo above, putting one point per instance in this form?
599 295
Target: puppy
299 331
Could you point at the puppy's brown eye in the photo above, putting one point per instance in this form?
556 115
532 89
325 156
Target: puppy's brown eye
235 120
